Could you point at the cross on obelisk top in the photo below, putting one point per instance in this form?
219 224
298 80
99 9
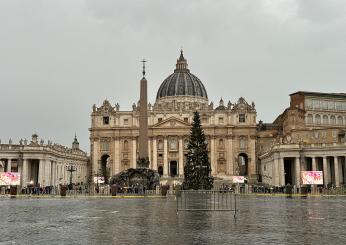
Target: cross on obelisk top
143 72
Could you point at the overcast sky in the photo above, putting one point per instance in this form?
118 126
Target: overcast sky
58 58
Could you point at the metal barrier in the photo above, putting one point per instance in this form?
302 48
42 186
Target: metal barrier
206 200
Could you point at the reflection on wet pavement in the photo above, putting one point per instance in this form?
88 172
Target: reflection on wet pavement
261 220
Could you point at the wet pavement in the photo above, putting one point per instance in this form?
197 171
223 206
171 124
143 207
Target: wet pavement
261 220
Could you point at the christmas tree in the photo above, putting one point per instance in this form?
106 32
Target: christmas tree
197 170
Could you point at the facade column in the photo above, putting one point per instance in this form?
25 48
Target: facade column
181 157
154 154
282 171
116 164
229 152
325 172
313 161
96 151
134 153
212 156
165 157
336 171
9 164
252 164
24 173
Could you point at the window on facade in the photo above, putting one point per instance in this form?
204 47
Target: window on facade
186 119
160 145
126 121
160 155
340 121
338 106
242 143
221 143
264 167
186 143
331 105
105 120
104 146
310 119
324 134
318 119
126 145
332 120
325 119
308 103
316 104
220 120
204 120
334 134
159 120
173 144
241 118
325 104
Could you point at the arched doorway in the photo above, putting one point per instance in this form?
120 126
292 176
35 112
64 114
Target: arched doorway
243 164
160 170
173 168
105 167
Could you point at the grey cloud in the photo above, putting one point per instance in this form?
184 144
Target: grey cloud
58 58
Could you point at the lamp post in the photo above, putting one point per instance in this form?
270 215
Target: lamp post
71 168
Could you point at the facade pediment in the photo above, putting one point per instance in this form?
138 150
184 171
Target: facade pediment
171 122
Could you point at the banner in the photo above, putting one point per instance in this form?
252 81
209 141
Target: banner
9 178
238 179
99 180
312 177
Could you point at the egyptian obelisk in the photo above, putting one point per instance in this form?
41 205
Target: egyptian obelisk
143 121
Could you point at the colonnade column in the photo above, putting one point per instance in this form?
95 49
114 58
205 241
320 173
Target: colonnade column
24 173
165 157
336 171
325 171
297 168
181 157
212 158
9 163
41 172
313 161
116 163
341 177
154 154
282 171
134 153
276 175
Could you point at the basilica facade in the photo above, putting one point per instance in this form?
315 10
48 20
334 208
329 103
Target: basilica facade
230 129
310 135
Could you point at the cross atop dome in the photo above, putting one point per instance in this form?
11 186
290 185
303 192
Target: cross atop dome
181 63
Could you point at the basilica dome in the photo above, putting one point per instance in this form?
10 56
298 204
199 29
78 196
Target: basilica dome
182 84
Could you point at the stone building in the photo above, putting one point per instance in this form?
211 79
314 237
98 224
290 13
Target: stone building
309 135
43 164
230 129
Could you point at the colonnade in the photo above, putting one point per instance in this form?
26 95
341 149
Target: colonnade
43 171
333 167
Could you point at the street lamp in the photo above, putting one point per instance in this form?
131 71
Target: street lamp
71 168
